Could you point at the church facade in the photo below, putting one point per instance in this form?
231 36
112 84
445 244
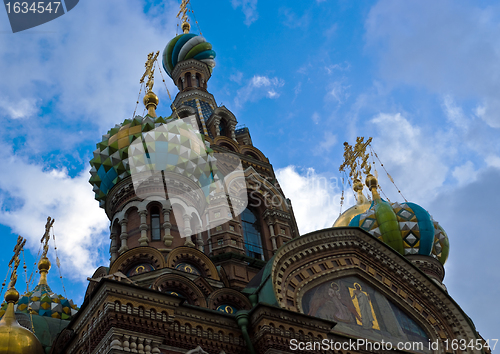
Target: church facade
206 255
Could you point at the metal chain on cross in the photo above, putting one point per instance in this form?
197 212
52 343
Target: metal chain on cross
58 262
388 175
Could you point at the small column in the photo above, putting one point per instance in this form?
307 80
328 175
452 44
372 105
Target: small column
273 237
188 231
143 240
233 134
123 236
167 237
217 127
199 239
113 249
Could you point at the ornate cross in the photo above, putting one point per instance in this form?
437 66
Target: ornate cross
150 70
351 156
183 11
15 260
46 236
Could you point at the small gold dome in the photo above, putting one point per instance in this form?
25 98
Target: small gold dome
361 206
44 264
15 339
150 98
186 27
371 182
11 295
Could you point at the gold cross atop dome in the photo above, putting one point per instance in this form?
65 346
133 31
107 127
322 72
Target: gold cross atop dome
44 264
150 71
150 99
46 236
184 18
15 260
351 156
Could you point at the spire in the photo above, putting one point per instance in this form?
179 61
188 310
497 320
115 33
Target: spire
15 339
182 15
150 98
44 263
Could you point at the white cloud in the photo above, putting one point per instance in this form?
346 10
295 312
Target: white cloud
315 117
236 77
418 161
338 92
447 47
23 108
465 173
249 8
454 113
29 193
72 67
292 20
315 199
258 87
329 140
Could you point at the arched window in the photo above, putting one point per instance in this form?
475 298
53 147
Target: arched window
251 234
198 80
222 129
155 224
188 78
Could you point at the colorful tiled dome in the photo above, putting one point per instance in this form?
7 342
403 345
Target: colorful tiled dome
408 228
173 147
186 46
43 302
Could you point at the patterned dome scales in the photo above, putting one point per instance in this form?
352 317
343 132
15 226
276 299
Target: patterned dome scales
408 228
43 302
172 145
187 46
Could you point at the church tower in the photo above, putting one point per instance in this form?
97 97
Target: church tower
238 225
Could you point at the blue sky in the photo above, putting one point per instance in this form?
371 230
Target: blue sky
421 77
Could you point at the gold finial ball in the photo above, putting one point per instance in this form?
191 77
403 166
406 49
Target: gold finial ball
12 295
186 27
357 185
371 182
44 264
150 98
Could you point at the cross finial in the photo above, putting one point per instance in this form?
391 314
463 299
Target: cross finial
15 260
351 156
182 15
46 236
150 71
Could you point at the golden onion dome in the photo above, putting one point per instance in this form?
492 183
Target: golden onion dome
362 205
15 339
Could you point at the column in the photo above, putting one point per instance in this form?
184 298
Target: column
199 239
273 237
167 237
143 240
123 236
113 249
188 231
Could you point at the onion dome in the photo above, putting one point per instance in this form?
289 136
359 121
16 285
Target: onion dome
362 205
407 228
42 301
187 46
15 339
173 147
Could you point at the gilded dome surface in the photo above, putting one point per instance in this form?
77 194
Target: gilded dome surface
15 339
408 228
187 46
